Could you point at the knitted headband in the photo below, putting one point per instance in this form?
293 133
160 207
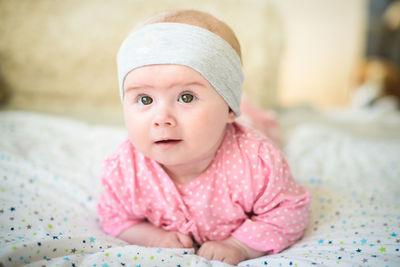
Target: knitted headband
183 44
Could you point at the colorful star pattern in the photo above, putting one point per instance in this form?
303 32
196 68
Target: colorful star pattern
48 208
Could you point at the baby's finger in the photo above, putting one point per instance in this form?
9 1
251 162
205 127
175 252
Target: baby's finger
206 252
185 240
202 253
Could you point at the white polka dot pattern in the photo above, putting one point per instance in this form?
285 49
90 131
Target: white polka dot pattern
247 192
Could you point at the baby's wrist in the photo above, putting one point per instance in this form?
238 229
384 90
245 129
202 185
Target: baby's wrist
247 251
161 237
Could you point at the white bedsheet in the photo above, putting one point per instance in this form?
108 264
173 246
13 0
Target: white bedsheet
50 178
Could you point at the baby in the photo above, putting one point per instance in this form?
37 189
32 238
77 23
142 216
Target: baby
189 174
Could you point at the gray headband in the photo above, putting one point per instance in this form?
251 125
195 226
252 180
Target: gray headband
182 44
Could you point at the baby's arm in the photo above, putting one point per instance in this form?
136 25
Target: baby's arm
118 219
279 213
146 234
230 250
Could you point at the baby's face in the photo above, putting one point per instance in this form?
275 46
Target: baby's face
173 115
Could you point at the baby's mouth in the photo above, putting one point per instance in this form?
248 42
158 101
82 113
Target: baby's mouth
168 141
166 144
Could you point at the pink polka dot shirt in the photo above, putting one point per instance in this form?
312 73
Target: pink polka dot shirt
247 192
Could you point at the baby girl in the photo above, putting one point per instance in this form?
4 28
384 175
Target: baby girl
188 174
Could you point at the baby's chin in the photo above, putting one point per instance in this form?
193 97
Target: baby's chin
167 158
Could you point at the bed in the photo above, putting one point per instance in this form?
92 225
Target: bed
50 178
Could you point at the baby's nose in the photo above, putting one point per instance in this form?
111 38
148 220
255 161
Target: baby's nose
164 119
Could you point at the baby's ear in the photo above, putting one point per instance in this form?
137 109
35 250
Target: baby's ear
231 116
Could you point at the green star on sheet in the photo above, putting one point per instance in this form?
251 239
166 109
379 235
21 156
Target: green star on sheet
382 249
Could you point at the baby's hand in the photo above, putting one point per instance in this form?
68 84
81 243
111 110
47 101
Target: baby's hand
229 250
222 251
173 239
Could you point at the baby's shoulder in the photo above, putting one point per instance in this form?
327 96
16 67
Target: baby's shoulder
249 137
124 152
128 162
252 141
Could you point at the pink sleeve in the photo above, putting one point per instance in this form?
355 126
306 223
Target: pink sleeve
280 207
114 205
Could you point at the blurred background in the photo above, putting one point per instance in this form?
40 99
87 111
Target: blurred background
59 56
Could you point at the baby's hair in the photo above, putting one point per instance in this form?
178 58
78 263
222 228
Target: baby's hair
199 19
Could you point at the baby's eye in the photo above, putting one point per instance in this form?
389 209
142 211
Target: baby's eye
186 98
145 100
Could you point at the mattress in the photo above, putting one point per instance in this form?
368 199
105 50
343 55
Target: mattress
50 168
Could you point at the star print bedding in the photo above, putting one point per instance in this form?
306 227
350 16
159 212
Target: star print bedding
50 168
